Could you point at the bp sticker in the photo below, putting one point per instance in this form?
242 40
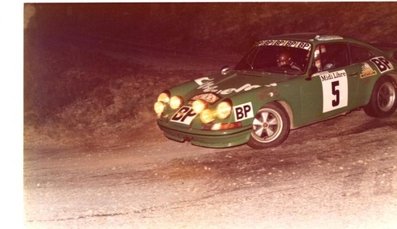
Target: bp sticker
335 90
243 111
382 64
185 115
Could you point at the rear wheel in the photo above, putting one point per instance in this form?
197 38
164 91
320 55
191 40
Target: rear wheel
383 100
270 127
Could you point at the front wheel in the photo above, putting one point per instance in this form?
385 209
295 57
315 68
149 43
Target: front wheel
270 127
383 101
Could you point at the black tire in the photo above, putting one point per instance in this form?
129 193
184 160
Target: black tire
383 100
270 127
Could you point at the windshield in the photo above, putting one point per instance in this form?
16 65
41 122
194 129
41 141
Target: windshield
270 56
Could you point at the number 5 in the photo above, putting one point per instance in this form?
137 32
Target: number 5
335 92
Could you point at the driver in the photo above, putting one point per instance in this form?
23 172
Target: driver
285 60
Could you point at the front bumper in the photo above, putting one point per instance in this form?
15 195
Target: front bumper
207 138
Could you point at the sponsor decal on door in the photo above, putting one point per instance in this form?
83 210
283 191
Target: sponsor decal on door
335 90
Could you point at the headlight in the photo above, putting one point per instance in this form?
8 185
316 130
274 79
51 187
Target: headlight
175 102
159 107
223 110
198 106
163 97
207 116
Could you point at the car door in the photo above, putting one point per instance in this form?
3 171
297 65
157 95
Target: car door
361 61
332 87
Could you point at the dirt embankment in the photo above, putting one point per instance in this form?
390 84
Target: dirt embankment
103 95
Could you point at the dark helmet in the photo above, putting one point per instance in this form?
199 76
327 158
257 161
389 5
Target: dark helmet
283 59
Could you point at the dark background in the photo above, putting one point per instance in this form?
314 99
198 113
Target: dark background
83 59
230 26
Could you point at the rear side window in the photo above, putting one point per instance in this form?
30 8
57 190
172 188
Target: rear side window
360 54
330 56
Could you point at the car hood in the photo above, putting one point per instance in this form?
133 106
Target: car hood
235 82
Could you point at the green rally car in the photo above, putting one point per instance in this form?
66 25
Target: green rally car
284 82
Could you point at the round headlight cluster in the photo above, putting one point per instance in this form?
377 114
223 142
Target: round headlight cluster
207 116
162 100
159 107
198 106
175 102
223 110
163 97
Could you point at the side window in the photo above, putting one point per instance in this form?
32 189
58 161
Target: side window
262 59
330 56
360 54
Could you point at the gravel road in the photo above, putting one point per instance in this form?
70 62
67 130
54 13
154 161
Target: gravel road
335 174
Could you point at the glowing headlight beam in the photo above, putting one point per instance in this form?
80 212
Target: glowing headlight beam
223 110
175 102
198 106
207 116
163 97
159 107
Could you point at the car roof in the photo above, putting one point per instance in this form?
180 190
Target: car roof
299 36
317 38
310 37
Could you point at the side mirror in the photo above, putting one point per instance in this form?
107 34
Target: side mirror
312 70
225 70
